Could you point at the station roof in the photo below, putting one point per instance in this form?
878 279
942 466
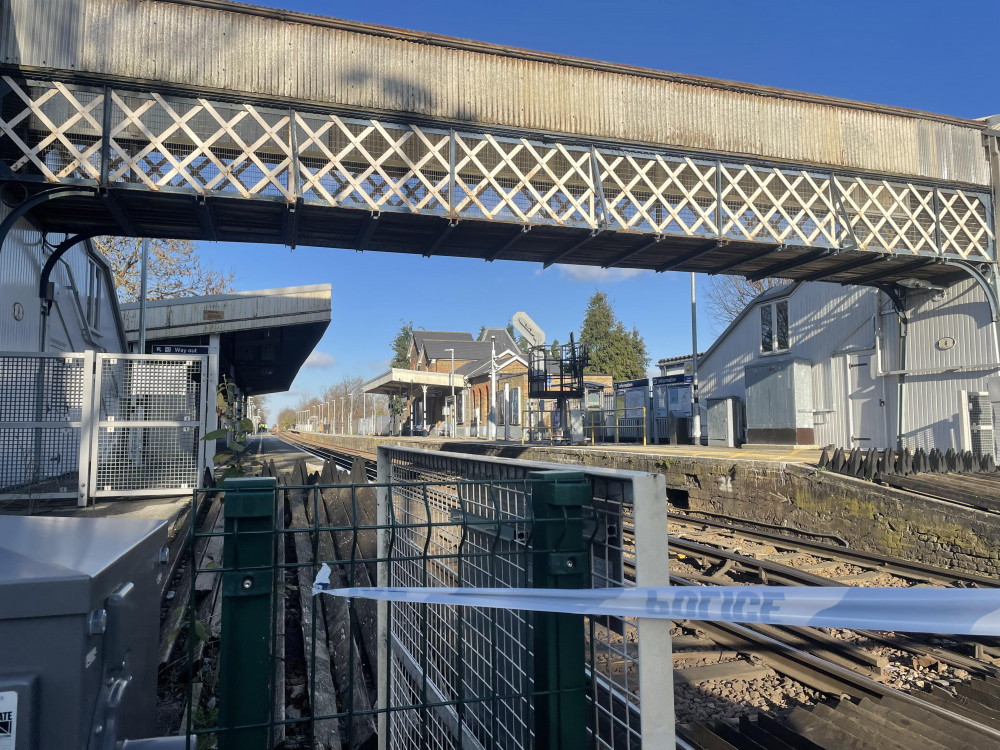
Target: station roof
397 381
264 335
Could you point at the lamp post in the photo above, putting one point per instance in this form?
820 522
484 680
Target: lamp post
350 422
491 418
695 408
451 382
342 416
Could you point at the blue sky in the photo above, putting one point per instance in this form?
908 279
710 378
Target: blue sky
920 54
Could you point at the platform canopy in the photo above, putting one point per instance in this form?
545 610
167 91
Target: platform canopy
400 382
264 336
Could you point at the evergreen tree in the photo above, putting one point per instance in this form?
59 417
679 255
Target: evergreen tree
401 346
612 349
522 343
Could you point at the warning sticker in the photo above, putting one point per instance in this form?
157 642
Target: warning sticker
8 719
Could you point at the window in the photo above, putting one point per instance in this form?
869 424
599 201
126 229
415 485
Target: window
94 278
501 411
460 408
774 326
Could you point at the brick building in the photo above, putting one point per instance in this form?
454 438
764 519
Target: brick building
423 390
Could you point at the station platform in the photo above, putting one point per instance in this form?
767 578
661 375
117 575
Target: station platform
513 448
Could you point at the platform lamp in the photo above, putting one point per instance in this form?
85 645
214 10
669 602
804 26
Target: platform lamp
342 416
451 382
350 422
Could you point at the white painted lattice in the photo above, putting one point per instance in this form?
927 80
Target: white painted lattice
57 133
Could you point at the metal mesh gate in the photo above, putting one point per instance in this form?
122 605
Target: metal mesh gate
82 425
41 415
149 426
474 533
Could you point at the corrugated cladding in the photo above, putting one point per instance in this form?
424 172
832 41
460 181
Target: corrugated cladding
21 264
346 68
241 310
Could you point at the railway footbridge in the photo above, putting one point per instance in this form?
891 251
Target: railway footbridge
212 120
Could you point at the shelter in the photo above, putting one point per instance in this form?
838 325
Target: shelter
820 363
257 340
261 337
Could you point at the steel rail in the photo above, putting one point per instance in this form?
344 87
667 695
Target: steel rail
887 563
818 672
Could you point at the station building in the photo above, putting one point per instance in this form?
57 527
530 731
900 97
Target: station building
423 390
825 364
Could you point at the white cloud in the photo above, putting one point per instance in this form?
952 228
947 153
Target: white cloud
319 360
592 274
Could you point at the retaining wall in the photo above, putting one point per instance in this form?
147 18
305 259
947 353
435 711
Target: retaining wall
867 516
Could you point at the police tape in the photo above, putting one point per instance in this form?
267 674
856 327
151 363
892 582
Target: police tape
915 610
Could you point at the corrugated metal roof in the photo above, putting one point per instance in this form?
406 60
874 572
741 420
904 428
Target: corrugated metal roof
367 69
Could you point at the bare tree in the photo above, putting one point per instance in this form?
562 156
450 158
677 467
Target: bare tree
175 269
262 406
728 295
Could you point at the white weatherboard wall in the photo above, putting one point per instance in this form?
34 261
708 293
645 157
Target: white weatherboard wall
835 327
68 330
931 394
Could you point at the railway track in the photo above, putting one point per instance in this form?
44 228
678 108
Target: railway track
764 686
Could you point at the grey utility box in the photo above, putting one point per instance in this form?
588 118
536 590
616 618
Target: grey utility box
725 422
79 629
779 402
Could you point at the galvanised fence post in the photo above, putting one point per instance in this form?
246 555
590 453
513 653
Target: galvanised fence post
248 581
560 560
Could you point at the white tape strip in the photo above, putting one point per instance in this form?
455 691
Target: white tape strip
914 610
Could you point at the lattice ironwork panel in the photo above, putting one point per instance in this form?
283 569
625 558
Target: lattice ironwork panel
881 215
51 131
55 133
133 458
516 179
964 224
659 194
374 165
208 147
793 207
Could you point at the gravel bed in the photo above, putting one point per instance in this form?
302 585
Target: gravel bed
730 699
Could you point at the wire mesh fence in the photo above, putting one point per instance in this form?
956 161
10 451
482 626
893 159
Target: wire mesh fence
282 667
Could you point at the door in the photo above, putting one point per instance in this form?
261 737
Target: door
866 400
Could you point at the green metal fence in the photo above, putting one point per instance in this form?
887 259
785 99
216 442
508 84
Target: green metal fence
271 666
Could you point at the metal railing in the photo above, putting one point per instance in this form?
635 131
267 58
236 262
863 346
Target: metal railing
615 425
281 664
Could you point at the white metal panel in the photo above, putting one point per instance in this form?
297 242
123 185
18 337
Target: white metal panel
23 255
962 315
349 65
